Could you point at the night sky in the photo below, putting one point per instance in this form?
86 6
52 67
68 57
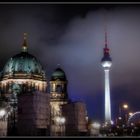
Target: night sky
73 36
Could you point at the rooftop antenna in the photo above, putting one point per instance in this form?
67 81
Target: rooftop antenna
106 49
105 28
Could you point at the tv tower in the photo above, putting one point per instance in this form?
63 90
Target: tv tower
106 63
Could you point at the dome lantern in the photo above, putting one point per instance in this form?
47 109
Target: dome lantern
24 45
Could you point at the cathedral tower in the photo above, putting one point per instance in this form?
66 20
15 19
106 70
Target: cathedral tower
58 97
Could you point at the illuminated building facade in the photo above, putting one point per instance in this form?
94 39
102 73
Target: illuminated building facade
58 97
31 111
22 75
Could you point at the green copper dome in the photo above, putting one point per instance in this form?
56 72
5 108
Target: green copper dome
58 74
23 63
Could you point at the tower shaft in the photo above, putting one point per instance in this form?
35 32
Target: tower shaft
107 98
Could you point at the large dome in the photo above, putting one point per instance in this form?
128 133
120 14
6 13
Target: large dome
58 74
23 63
23 66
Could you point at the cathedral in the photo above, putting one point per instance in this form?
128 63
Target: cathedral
26 106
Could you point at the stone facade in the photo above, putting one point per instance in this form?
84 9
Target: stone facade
31 111
75 114
33 114
3 127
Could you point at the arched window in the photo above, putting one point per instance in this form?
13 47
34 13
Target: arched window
59 89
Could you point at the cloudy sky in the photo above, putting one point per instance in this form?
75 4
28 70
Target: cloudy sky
73 36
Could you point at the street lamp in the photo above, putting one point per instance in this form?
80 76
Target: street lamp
130 113
3 122
2 113
120 118
123 112
125 106
61 122
126 114
95 127
57 119
112 122
122 107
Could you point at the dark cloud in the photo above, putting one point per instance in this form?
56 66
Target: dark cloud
73 36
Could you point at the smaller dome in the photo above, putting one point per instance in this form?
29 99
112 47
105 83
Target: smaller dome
58 74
